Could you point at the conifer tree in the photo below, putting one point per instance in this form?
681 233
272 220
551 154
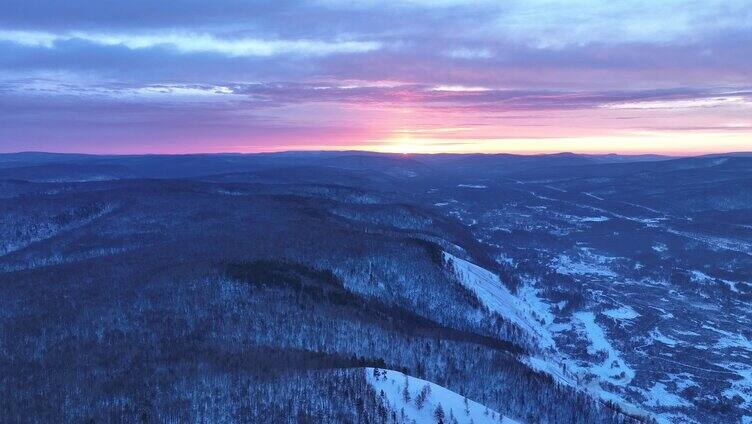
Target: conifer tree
438 413
420 400
406 391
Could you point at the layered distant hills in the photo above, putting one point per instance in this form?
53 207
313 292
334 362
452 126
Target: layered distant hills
336 286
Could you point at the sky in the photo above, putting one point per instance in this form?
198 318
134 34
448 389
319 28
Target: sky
519 76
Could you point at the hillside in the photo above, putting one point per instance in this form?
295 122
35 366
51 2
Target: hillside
237 288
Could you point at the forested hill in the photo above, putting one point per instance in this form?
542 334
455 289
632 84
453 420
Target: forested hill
266 288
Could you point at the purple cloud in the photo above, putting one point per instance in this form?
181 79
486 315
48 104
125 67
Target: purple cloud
201 74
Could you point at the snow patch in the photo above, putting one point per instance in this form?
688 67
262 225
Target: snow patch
391 385
593 196
551 368
700 277
659 337
577 218
502 258
497 298
537 308
625 312
613 368
682 381
660 247
594 219
660 397
590 264
730 340
731 285
741 387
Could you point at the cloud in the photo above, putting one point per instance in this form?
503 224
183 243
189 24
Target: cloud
238 71
478 98
272 94
194 43
470 53
734 99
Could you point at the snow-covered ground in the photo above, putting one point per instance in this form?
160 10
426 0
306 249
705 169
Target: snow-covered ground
587 263
660 247
534 316
392 386
624 313
741 386
645 308
613 368
658 396
606 374
528 316
660 337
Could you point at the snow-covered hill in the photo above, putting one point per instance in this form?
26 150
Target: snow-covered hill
402 393
497 298
534 317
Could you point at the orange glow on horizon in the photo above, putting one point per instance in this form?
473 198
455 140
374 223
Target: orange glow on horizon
678 144
402 142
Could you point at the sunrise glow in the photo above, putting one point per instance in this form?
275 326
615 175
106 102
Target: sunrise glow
523 77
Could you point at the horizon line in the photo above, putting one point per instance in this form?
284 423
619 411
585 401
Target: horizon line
316 151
